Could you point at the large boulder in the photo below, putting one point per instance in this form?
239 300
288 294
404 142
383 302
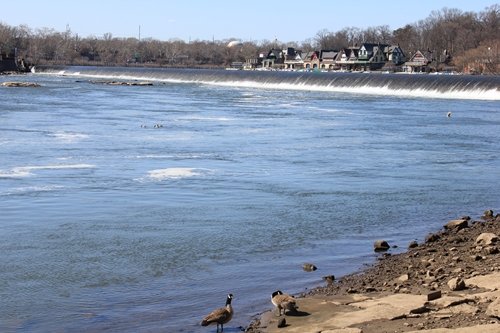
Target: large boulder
486 238
381 245
488 214
456 284
456 224
413 244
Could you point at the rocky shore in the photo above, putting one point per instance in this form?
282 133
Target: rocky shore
449 283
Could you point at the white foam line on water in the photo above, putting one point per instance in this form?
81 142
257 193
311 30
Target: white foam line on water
28 189
26 171
69 136
172 173
176 156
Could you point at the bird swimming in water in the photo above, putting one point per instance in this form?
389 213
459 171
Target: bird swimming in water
283 302
448 114
220 316
309 267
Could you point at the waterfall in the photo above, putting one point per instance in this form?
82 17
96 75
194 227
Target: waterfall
407 85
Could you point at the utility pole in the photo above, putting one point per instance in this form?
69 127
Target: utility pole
139 32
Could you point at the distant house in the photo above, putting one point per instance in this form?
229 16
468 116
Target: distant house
312 60
418 63
328 59
251 63
293 59
347 58
371 56
275 59
367 57
394 54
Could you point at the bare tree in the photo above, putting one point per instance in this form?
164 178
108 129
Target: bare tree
445 35
407 38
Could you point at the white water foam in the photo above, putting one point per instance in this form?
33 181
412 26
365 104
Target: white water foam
201 118
172 173
475 94
33 189
26 171
69 136
171 156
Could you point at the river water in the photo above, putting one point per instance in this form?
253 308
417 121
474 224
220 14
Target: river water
139 208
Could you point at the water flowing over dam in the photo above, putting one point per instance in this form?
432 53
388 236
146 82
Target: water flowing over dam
415 85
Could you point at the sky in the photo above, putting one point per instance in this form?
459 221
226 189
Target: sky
189 20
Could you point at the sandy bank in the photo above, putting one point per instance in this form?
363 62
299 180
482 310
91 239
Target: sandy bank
448 284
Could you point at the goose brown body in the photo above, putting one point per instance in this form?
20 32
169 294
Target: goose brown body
220 316
283 302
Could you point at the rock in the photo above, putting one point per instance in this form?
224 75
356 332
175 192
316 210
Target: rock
281 323
456 224
420 310
438 271
432 238
486 238
460 310
381 245
491 250
329 279
412 245
434 295
456 284
488 214
493 309
21 84
123 83
404 278
309 267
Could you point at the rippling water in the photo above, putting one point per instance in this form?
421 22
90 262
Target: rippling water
108 222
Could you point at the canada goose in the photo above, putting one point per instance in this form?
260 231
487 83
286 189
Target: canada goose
220 316
283 301
309 267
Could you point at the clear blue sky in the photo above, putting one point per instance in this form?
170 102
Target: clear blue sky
254 20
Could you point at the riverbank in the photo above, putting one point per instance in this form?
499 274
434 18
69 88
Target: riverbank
449 283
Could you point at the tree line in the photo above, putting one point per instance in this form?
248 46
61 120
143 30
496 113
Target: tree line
464 39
